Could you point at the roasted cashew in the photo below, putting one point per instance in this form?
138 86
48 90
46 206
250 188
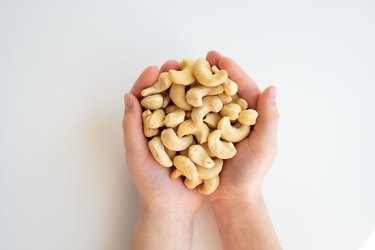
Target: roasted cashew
178 96
209 186
148 132
221 149
174 142
210 104
158 151
175 174
194 95
202 71
156 119
192 184
230 87
248 117
163 83
188 127
224 98
186 166
209 173
199 156
232 110
232 133
174 118
185 76
212 119
152 102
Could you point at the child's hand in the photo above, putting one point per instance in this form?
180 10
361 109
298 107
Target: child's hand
156 189
242 176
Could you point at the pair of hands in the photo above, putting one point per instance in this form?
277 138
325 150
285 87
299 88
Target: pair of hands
242 176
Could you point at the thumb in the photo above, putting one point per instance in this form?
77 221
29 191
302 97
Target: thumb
268 115
135 141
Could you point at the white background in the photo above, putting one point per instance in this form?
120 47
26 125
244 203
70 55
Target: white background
64 66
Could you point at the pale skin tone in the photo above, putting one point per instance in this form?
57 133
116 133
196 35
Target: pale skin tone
167 208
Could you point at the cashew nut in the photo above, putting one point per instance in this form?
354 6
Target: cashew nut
232 133
158 151
221 149
178 96
209 186
202 71
174 118
188 127
156 119
192 184
224 98
200 157
175 174
166 101
210 104
148 132
232 110
212 119
230 87
163 83
205 146
185 76
169 109
248 117
186 166
174 142
208 173
194 95
152 102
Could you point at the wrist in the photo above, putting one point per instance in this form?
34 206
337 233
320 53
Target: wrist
239 200
166 212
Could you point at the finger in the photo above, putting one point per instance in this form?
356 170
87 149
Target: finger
268 115
145 79
247 88
135 141
170 64
213 57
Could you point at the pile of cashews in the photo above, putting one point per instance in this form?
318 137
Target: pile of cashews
193 117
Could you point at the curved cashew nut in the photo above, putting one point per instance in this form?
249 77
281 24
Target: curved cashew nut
221 149
242 102
163 83
209 173
186 166
212 119
174 142
156 119
202 71
210 104
224 98
194 95
230 87
209 186
185 76
174 118
148 132
192 184
170 108
158 151
232 110
175 174
188 127
200 157
232 133
248 117
152 102
178 96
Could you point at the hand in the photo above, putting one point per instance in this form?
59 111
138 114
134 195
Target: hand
242 176
156 189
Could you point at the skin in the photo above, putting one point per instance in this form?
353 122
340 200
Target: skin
167 208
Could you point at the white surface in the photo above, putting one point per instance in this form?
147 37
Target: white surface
64 66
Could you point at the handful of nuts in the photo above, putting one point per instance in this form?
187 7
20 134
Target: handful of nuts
193 117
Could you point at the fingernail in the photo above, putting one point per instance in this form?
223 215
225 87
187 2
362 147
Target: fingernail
272 94
128 102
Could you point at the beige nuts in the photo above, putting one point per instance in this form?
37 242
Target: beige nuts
192 118
202 71
232 133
